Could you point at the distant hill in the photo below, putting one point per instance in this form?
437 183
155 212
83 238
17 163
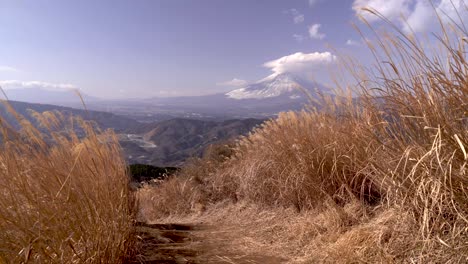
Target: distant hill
103 119
177 140
166 143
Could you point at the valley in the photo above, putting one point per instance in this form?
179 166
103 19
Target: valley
172 142
168 142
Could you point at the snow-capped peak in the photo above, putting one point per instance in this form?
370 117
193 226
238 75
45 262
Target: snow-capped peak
272 86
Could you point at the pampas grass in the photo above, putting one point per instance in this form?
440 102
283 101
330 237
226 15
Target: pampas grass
398 148
64 195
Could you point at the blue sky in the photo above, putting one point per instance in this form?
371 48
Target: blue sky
144 48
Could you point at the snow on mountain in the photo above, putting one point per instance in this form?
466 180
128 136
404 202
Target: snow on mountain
275 85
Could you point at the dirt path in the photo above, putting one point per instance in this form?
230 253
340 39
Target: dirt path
175 243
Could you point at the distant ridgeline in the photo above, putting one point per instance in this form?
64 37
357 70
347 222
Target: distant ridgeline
103 119
143 172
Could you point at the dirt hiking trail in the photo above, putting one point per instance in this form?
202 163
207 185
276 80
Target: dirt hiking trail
177 243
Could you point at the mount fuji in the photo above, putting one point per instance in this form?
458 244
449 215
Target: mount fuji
284 85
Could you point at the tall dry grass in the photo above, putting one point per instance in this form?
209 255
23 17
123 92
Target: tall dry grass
399 147
187 192
64 195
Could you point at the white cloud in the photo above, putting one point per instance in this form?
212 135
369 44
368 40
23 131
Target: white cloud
297 16
414 15
314 32
298 19
448 10
390 9
4 68
300 62
420 18
15 84
298 37
351 42
313 2
234 83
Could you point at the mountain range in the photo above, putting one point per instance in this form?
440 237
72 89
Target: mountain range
261 99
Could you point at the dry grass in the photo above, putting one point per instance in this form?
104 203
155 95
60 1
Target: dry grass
63 198
174 196
187 192
338 234
381 178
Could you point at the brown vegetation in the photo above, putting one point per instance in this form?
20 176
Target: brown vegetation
377 179
63 198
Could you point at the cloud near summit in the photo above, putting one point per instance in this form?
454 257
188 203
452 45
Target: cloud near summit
300 62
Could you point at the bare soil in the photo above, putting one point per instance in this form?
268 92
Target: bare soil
177 243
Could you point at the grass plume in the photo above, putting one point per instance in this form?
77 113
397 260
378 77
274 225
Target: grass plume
64 195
